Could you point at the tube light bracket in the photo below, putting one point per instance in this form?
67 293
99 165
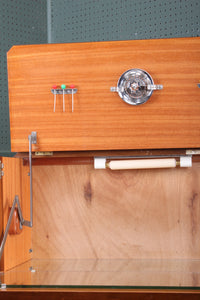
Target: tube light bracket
150 163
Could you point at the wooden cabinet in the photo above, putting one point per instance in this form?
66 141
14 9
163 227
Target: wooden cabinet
103 228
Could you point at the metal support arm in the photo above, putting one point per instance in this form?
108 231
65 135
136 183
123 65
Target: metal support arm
32 140
21 219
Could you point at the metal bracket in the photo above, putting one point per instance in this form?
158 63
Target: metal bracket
1 169
32 140
64 91
43 153
193 152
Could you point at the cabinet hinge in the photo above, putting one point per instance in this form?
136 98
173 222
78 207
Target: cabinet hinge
193 152
44 153
1 169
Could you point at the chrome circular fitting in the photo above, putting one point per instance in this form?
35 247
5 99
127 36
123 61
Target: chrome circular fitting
135 86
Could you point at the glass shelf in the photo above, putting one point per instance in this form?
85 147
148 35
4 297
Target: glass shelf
105 273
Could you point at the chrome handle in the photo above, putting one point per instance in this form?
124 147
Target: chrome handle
153 87
135 86
114 89
149 87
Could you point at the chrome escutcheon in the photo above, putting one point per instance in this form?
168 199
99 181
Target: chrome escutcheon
135 86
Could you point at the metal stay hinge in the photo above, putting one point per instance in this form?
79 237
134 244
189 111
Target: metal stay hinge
3 286
1 169
44 153
32 140
193 152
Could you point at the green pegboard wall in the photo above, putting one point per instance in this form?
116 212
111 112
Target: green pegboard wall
21 22
99 20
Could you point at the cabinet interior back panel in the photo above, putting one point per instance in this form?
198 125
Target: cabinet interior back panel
101 119
82 213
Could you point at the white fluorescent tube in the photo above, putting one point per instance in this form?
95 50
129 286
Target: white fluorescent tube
142 164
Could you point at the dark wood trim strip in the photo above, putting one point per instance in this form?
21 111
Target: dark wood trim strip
104 294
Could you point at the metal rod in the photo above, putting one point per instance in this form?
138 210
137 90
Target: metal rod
54 106
32 140
63 101
8 226
19 211
65 91
31 187
72 100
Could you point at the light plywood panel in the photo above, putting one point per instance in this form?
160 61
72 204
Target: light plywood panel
84 213
101 120
17 247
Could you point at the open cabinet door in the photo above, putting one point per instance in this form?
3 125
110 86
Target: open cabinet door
1 218
15 181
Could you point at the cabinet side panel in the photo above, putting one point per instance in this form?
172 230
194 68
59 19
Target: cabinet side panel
84 213
17 246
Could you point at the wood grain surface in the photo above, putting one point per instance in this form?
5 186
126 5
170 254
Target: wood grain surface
15 182
100 294
82 213
101 120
